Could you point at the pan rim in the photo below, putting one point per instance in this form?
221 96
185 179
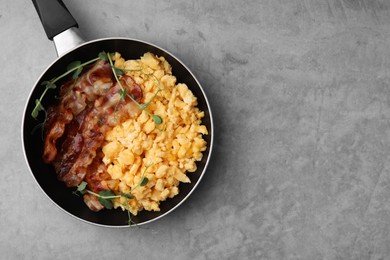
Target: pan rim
211 130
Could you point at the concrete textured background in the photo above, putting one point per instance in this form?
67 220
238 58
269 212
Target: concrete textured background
300 92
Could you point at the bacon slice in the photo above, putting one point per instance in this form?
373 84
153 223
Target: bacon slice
75 127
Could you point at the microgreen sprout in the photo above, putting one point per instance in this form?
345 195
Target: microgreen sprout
105 197
122 92
74 67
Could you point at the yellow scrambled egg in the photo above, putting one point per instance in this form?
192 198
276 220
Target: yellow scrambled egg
163 153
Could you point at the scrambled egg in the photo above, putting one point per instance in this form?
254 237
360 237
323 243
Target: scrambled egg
163 153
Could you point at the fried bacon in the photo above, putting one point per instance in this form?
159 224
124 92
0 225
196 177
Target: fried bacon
75 127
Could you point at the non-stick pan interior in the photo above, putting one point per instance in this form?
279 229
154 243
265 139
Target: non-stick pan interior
33 143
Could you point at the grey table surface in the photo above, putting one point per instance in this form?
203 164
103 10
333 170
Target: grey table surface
300 92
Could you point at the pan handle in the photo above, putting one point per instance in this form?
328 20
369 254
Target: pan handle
59 24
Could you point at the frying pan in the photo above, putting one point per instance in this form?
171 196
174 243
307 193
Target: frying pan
61 27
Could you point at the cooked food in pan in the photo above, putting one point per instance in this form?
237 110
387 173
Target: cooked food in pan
123 132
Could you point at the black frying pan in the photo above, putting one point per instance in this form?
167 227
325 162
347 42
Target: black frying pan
60 26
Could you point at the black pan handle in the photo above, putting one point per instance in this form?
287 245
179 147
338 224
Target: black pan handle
54 16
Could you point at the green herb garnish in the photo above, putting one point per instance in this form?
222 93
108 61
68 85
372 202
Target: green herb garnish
74 67
105 197
122 92
144 181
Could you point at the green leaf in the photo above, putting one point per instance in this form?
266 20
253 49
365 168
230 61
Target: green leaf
38 107
157 120
143 106
106 203
77 73
105 199
107 193
73 65
103 55
119 72
39 104
34 113
82 186
76 67
45 83
50 85
127 195
144 181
